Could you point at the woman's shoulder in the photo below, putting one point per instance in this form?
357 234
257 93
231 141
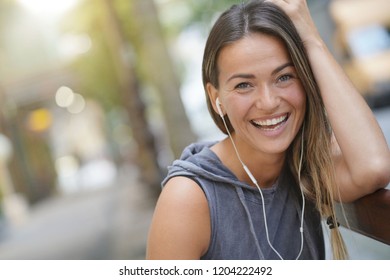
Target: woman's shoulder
182 188
181 224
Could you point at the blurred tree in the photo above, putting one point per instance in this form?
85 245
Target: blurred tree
183 14
130 96
128 56
141 20
109 76
204 10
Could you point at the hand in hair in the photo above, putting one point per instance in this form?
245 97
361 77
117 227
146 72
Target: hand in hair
299 13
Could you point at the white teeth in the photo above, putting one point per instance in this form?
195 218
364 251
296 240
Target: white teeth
271 121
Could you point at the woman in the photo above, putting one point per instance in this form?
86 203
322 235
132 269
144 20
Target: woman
299 138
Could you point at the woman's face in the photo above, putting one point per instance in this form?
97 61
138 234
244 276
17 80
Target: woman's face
260 92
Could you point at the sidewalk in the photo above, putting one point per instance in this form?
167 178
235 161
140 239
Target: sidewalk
107 223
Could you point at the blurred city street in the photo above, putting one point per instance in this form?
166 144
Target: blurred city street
76 137
106 223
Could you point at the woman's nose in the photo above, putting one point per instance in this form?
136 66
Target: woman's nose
267 99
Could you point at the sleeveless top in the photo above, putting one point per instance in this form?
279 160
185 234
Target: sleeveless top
236 212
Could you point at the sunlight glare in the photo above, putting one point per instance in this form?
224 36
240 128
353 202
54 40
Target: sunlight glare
48 7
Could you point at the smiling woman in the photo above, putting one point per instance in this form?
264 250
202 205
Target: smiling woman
299 139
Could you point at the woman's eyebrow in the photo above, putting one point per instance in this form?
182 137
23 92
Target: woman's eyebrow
281 67
242 76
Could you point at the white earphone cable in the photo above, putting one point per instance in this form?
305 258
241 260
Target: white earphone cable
253 179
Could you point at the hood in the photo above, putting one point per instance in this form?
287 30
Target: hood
197 160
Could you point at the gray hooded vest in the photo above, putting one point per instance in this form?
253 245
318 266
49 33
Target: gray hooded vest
236 213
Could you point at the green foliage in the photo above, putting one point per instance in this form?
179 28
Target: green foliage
95 69
178 15
205 10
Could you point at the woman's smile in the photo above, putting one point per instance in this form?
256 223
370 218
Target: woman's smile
271 127
270 123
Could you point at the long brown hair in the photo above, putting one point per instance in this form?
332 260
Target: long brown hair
317 172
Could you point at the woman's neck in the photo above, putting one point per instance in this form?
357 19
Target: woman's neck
265 168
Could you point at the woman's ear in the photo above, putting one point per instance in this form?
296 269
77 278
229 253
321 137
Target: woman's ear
213 96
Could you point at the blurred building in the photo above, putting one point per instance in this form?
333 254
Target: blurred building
42 127
362 40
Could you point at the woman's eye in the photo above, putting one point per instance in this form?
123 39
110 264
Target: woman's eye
242 86
285 78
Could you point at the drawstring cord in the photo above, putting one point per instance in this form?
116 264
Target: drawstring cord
240 194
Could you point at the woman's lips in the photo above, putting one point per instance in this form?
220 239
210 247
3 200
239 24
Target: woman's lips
271 123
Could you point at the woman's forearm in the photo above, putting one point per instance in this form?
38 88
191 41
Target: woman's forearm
363 147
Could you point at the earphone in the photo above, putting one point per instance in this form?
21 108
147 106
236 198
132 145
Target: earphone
254 181
218 104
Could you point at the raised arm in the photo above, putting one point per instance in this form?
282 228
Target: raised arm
361 153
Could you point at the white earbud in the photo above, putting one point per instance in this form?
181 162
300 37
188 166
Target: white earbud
218 104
